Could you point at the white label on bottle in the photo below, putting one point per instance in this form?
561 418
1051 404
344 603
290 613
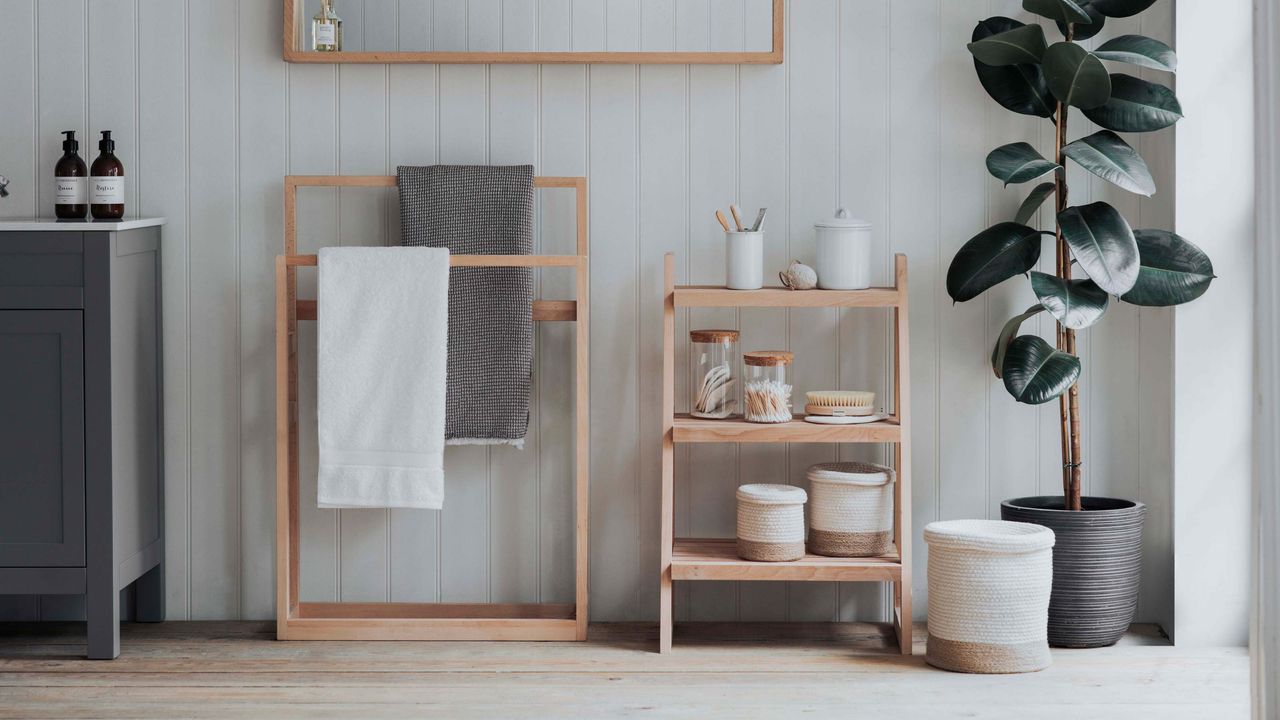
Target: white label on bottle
106 190
325 34
71 190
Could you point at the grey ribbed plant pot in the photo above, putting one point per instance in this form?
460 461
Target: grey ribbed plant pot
1097 564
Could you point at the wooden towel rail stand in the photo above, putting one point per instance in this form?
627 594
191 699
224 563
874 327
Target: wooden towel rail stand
297 620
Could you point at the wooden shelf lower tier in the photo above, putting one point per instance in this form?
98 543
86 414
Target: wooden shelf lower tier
717 559
735 429
717 296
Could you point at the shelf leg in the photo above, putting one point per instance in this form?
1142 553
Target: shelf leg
665 617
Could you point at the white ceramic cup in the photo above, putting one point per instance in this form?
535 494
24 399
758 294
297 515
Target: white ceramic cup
744 260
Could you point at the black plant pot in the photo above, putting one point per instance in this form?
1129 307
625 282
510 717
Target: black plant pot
1097 564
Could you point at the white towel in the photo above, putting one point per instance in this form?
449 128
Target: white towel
383 352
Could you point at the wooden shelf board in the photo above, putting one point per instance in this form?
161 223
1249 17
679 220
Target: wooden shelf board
717 559
714 296
735 429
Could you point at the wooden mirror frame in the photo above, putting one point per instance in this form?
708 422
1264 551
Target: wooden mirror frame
293 54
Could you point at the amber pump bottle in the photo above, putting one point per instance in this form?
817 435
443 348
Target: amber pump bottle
106 182
71 181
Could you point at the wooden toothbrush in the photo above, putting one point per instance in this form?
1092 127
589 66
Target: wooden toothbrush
724 222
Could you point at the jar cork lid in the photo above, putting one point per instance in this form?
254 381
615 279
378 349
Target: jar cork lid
766 358
713 336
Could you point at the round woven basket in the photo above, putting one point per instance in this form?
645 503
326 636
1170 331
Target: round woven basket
771 522
989 585
850 509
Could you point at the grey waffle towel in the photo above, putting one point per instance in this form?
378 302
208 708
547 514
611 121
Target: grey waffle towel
480 210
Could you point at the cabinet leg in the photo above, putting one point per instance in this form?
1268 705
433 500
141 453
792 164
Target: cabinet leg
102 611
150 595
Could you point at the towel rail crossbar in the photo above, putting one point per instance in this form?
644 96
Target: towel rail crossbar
297 620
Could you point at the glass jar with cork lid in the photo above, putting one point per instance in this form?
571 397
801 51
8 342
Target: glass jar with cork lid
713 356
767 389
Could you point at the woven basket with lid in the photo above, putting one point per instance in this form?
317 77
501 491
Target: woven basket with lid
771 522
850 509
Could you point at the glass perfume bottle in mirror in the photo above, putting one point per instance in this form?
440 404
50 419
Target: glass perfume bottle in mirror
326 29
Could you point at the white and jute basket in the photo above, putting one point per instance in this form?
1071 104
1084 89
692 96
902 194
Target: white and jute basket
850 509
989 584
771 522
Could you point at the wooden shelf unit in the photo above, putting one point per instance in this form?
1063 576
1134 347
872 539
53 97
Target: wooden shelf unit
717 559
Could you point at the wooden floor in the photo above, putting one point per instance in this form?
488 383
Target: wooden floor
238 670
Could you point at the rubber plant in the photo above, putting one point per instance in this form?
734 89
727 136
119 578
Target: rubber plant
1097 255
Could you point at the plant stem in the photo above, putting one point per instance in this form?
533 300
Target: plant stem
1068 404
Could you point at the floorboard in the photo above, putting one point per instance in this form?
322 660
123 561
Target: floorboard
764 670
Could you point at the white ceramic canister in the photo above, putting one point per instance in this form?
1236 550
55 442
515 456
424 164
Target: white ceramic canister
744 260
844 252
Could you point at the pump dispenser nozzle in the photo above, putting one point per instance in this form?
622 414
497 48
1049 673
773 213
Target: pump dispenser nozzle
70 144
106 144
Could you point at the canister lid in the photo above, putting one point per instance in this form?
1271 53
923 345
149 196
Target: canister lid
766 494
843 220
766 358
713 336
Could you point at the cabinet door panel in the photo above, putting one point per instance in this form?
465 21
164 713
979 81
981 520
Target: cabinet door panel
41 438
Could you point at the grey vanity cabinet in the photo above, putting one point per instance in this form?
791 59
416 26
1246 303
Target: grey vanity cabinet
81 464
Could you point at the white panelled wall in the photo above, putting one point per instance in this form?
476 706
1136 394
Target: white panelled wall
876 109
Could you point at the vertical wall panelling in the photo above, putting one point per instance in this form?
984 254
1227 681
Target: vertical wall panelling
261 154
464 543
484 25
519 25
562 151
862 189
615 402
661 227
513 474
414 562
622 25
713 185
161 179
812 68
313 150
215 362
876 109
1155 362
915 226
964 371
18 156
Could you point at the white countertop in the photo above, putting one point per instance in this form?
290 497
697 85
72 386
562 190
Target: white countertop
54 224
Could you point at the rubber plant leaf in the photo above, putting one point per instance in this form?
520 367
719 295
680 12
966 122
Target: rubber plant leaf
1033 202
1121 8
1083 31
1007 334
1063 11
1139 50
1076 76
1021 45
1035 372
1136 106
1103 243
991 257
1106 155
1020 88
1173 270
1018 163
1076 304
